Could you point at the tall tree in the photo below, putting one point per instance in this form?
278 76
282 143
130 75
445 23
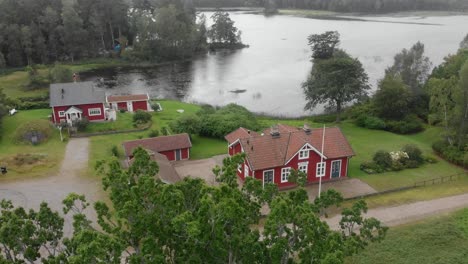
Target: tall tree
335 81
461 109
412 66
223 29
74 35
464 43
324 45
392 98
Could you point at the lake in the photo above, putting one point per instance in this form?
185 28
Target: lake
267 76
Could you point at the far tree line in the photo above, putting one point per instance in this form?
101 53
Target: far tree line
44 32
362 6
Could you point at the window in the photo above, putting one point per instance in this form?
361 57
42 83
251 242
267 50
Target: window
303 167
285 174
320 169
239 167
94 111
61 113
246 170
304 154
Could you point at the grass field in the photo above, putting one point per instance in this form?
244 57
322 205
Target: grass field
438 240
53 149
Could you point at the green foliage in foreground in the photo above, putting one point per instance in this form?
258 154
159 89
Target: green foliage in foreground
437 240
185 222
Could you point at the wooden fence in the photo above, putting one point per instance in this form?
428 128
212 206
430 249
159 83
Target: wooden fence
433 181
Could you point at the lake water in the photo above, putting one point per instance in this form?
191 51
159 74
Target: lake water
267 76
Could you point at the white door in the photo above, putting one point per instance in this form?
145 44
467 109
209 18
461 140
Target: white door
129 106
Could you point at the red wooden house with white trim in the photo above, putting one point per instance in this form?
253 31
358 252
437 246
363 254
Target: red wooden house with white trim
271 155
174 147
73 101
130 103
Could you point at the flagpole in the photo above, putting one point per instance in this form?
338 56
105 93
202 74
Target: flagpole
321 162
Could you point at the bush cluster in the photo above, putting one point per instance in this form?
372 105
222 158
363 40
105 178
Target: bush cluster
408 125
451 153
31 102
141 117
410 156
81 124
216 123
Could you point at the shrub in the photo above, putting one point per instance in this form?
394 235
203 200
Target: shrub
156 106
60 73
141 117
358 110
326 118
115 151
165 131
186 124
410 124
153 133
370 122
81 124
371 167
414 153
451 153
37 131
383 159
122 110
218 123
430 159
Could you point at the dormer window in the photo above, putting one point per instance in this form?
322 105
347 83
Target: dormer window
304 154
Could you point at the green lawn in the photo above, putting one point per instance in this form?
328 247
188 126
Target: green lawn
13 84
124 122
437 240
53 149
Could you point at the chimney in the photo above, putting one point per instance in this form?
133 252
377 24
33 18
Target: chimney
306 129
274 131
248 131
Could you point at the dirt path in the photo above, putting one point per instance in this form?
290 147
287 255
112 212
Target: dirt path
30 192
397 215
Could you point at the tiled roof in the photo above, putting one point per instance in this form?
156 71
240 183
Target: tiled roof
158 144
79 93
167 173
126 98
267 151
239 133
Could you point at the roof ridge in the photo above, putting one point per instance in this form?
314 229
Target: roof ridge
287 148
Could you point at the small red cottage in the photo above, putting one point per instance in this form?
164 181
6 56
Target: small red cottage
271 155
174 147
73 101
130 103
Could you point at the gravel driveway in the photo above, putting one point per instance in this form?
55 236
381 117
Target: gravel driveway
30 192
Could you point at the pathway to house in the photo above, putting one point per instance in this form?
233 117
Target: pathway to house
397 215
31 192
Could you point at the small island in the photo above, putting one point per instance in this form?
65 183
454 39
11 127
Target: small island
223 34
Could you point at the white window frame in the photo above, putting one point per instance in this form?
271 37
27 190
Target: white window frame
321 169
273 176
239 167
303 164
285 172
61 113
94 109
246 170
304 154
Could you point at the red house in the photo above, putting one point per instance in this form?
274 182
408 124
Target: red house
271 155
129 103
73 101
174 147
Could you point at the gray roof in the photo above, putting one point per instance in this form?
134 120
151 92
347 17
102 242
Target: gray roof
78 93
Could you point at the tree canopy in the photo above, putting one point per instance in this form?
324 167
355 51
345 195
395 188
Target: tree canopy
336 78
153 222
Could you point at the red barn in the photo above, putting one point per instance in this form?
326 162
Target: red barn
129 103
73 101
174 147
271 155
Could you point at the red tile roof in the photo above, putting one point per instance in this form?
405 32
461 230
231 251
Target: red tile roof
267 151
126 98
238 134
158 144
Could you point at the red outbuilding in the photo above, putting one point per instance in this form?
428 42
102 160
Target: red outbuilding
271 155
174 147
130 103
74 101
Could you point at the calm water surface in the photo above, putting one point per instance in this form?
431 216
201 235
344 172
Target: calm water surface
267 76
